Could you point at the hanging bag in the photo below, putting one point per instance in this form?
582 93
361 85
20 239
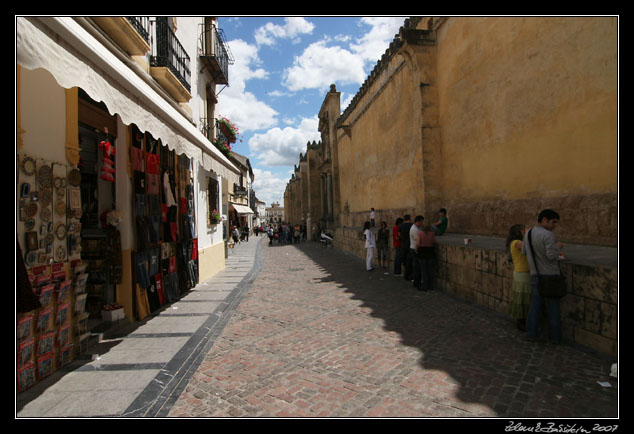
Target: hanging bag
549 286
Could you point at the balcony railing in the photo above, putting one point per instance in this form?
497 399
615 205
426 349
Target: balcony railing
142 26
215 53
168 52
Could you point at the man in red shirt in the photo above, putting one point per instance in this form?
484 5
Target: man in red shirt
396 238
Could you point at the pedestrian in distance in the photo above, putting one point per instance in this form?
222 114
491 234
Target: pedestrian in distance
406 257
440 227
521 287
413 237
382 241
372 215
396 242
543 263
426 253
370 244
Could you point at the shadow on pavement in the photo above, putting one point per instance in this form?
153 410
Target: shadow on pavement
473 353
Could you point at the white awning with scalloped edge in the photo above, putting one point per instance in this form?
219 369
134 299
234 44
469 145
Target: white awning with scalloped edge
76 59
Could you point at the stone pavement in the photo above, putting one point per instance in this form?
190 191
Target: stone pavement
141 372
318 336
304 331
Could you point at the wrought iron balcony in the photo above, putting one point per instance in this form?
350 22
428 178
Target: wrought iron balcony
239 190
168 52
214 53
142 26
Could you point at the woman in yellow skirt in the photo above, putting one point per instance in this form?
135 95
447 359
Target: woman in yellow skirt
521 289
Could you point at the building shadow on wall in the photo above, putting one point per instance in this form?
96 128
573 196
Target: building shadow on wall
472 353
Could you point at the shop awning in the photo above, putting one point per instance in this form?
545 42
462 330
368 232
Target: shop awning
76 59
241 209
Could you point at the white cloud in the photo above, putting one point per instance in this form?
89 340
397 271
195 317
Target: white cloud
319 66
292 28
374 43
268 187
235 103
281 147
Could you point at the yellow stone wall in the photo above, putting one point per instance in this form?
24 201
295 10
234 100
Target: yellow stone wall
380 161
528 109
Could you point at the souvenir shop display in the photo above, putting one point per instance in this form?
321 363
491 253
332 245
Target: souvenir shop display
48 226
65 356
44 366
26 377
163 216
26 350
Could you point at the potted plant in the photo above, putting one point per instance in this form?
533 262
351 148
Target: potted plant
223 146
215 217
228 129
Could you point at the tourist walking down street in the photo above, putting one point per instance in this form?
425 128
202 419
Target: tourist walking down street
396 241
521 287
370 244
545 259
382 240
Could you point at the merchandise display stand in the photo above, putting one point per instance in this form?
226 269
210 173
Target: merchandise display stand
49 231
164 264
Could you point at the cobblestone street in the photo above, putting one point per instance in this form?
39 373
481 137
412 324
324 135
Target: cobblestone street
318 336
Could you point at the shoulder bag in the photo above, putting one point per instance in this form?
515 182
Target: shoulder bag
549 286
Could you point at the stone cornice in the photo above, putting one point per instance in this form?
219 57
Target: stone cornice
408 34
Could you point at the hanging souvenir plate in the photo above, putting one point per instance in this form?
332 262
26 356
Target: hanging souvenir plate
28 166
30 258
57 182
64 182
31 209
60 253
74 177
29 224
45 176
60 231
46 214
44 197
60 207
61 192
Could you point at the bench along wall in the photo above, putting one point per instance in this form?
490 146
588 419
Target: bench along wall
483 276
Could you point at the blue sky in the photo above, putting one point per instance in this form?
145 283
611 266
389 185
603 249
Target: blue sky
283 68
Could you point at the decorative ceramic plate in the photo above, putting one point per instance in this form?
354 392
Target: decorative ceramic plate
74 177
60 231
46 214
31 209
29 224
60 207
45 176
28 166
44 197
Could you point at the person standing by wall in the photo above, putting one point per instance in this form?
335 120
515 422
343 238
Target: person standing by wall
382 240
545 259
370 244
426 253
405 250
396 242
521 287
413 237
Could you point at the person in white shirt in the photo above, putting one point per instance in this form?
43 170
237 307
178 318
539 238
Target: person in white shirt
413 237
370 244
